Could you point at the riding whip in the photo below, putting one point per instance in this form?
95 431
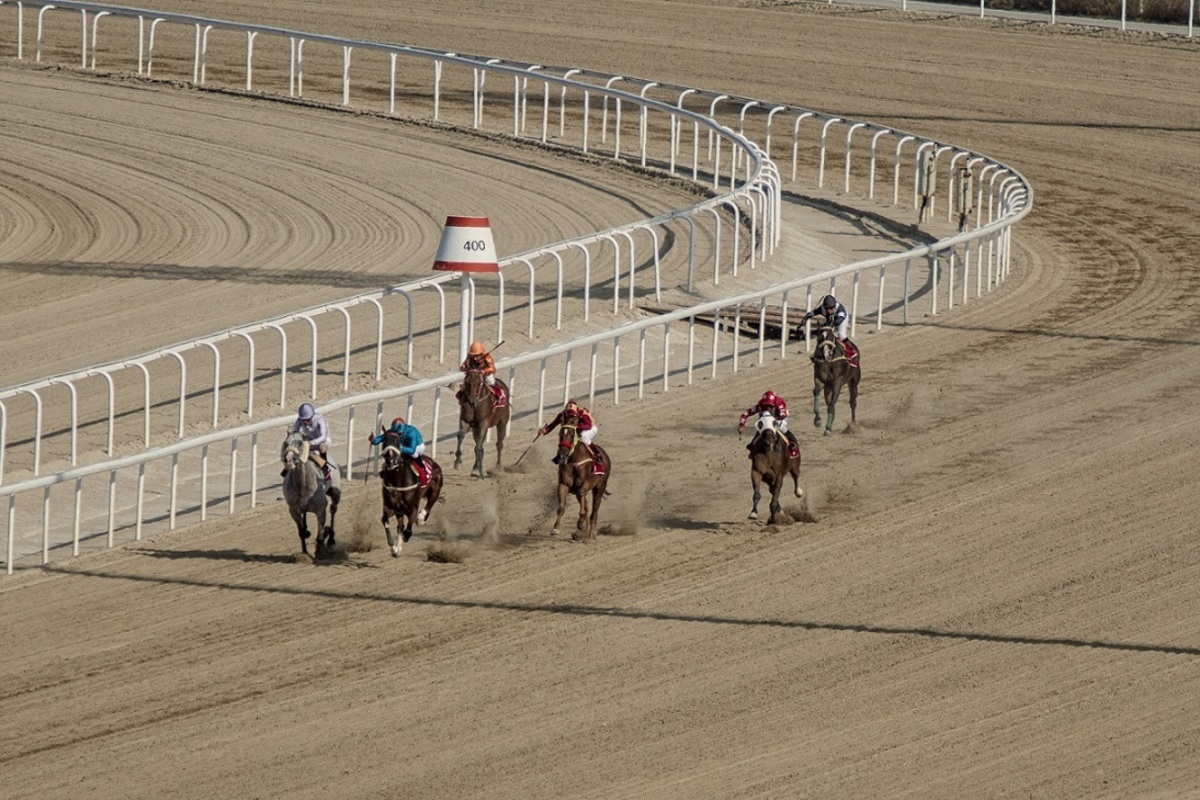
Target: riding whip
531 444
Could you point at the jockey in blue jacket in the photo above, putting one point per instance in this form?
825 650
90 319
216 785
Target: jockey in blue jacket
412 445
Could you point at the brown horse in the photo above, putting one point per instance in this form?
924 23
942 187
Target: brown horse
577 476
306 492
478 413
402 492
831 371
771 462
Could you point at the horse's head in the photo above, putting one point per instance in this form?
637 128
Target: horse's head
828 346
294 450
568 435
392 458
475 386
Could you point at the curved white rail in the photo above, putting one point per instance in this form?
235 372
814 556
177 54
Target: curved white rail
752 185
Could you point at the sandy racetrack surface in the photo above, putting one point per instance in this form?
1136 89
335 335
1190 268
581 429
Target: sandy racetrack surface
988 592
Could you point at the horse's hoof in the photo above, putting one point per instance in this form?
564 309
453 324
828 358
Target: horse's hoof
407 534
554 531
817 422
799 492
828 432
753 515
395 551
424 515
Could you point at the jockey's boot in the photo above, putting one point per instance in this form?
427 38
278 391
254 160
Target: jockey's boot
501 400
597 462
793 445
851 351
325 472
283 473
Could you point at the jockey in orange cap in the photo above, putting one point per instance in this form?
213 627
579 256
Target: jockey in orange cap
586 428
776 406
479 358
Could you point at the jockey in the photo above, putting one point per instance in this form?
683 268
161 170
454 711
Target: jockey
479 358
587 431
315 430
835 316
776 406
412 446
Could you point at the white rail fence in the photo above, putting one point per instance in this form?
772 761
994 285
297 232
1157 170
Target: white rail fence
120 498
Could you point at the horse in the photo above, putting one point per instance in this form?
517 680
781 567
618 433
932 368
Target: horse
306 493
577 476
771 462
477 412
402 492
831 371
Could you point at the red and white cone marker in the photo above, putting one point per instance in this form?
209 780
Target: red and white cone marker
466 247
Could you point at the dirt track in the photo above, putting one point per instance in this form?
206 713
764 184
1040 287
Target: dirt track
995 598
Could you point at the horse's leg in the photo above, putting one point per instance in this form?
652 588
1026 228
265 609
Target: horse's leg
597 494
462 431
581 495
794 471
301 528
832 389
816 402
409 514
319 514
431 497
335 497
776 486
854 397
562 507
387 531
480 442
755 481
501 432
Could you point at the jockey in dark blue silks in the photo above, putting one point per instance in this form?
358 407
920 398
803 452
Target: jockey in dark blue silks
836 316
412 446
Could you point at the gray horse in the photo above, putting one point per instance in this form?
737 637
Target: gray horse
305 491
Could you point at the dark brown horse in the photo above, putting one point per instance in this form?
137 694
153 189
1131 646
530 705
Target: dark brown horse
577 476
478 413
831 371
771 462
402 492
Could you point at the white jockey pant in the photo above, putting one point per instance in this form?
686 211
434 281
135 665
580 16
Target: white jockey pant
489 379
419 450
588 435
843 330
781 425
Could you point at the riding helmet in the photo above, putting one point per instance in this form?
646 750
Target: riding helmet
306 411
829 302
768 398
476 349
397 421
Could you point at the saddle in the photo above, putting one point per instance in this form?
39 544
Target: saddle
424 471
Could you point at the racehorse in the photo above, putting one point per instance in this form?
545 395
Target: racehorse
576 476
477 412
771 462
831 371
305 491
402 492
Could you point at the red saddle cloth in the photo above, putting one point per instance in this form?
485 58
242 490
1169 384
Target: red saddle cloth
851 354
423 471
501 396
